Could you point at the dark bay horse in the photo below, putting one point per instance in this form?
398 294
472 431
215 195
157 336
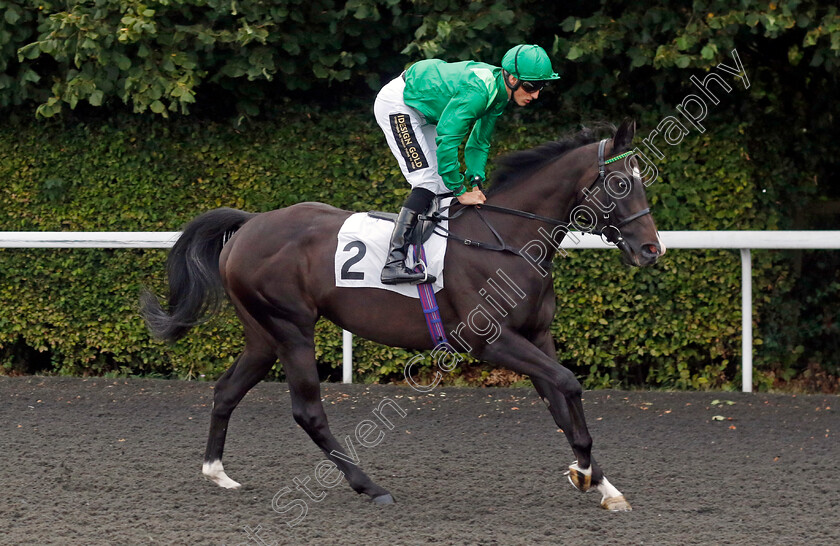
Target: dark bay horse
277 269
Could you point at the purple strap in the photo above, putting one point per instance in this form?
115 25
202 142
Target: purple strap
429 302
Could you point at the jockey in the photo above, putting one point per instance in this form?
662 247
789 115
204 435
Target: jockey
427 112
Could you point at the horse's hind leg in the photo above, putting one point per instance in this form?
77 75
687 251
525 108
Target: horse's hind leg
298 358
248 370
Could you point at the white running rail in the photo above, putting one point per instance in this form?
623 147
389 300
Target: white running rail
741 240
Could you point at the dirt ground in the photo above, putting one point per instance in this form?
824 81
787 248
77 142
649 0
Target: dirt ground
104 461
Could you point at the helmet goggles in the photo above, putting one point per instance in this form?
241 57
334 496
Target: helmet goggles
533 86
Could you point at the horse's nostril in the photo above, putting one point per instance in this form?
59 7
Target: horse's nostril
651 250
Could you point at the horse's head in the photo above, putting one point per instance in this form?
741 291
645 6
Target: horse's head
615 206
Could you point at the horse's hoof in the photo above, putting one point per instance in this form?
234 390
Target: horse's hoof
384 499
579 479
616 504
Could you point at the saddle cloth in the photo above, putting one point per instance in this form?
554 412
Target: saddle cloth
362 249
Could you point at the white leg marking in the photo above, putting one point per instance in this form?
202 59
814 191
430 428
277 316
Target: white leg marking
215 472
607 489
584 471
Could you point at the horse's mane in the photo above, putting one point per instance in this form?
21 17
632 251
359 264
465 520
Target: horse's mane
516 166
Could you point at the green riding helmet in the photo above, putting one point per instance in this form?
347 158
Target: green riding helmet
529 63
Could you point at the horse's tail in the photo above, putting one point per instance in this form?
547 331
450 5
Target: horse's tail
195 285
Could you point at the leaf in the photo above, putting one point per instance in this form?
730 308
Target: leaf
574 53
319 70
569 24
157 107
29 51
29 75
95 98
12 15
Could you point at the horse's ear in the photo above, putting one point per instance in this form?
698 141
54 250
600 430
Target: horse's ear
624 136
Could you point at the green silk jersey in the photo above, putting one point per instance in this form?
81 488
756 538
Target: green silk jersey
455 97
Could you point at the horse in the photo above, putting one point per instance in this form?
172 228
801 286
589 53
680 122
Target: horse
277 269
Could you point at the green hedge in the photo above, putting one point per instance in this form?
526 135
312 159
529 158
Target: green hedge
75 311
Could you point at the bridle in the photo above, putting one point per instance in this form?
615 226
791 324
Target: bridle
616 238
502 246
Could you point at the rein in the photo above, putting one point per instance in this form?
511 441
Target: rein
502 246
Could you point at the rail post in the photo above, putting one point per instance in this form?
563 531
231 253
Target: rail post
746 321
347 360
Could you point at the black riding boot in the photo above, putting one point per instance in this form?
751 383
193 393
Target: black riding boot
395 271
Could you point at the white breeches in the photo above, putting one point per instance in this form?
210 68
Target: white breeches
410 137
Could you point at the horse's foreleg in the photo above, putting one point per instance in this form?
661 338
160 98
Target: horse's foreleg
584 472
305 389
562 391
575 429
248 370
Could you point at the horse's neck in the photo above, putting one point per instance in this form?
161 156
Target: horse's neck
550 192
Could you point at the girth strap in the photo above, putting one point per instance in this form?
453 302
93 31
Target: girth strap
428 301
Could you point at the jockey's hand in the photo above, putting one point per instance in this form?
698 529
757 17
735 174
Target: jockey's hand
474 197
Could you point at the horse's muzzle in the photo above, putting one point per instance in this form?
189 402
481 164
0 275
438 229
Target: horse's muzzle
647 253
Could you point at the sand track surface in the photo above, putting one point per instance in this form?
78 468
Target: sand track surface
107 461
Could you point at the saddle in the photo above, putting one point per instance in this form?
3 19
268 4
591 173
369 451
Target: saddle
426 223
